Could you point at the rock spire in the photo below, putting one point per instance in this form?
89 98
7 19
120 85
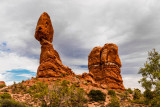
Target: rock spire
50 62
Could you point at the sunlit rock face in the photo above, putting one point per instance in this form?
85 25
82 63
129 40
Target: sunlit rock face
104 63
50 62
44 29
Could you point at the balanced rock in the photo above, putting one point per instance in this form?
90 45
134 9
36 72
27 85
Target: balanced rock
50 62
104 63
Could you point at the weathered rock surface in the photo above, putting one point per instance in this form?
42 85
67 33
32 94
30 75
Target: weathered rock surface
50 62
104 64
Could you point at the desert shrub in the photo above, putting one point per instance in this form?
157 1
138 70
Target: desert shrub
19 88
64 95
86 83
3 85
67 73
78 77
11 103
114 102
5 95
129 90
39 90
155 102
119 91
148 94
65 83
124 95
138 98
138 101
111 92
136 94
61 94
97 95
22 88
14 88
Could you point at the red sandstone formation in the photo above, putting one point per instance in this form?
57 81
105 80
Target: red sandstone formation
104 64
50 62
2 83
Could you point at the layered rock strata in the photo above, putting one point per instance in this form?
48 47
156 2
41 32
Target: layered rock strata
104 63
50 62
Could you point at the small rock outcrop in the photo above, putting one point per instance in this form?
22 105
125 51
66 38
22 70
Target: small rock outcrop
50 62
104 63
2 83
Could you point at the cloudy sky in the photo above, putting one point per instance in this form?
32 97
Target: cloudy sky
80 25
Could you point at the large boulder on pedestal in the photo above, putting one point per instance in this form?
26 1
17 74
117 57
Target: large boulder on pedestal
50 62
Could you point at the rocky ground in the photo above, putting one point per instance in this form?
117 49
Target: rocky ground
87 86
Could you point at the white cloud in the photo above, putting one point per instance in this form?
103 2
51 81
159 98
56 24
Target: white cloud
6 77
10 61
25 75
131 81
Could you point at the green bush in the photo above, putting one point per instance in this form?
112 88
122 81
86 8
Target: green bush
124 95
19 88
148 94
155 102
65 83
14 88
96 95
60 95
136 94
129 90
10 103
138 101
39 90
1 86
114 102
5 95
67 96
111 92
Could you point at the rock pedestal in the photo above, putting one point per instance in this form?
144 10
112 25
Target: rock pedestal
50 62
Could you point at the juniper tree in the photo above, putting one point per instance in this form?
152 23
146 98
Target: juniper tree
151 78
151 72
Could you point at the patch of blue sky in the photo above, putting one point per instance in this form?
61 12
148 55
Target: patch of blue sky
3 47
20 74
4 44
